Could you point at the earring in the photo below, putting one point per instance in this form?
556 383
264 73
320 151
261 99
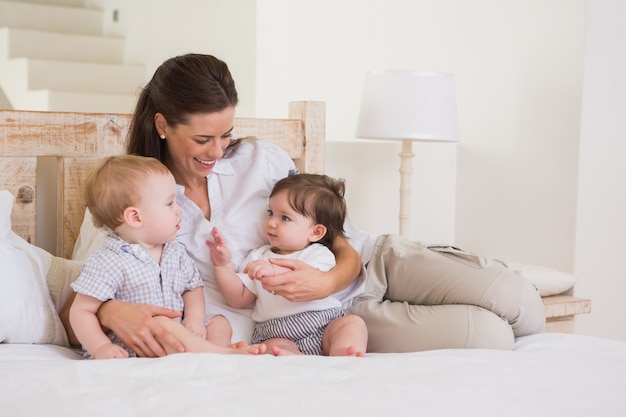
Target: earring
163 137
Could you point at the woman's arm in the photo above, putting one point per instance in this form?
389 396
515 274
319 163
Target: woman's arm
64 315
135 325
306 283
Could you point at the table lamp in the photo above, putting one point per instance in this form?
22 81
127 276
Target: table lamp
407 106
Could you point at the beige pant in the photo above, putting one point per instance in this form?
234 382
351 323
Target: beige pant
421 298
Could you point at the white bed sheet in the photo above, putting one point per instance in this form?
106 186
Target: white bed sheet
546 375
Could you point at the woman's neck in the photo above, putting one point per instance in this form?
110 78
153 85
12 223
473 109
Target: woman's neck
187 181
198 192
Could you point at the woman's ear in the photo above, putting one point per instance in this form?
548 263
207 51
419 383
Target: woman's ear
318 232
160 123
132 217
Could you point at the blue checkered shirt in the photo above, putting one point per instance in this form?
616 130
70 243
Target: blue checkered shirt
127 272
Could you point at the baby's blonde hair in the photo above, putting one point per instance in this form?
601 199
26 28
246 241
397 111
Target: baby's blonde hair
115 184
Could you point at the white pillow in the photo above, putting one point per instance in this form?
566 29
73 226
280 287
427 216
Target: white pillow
90 239
28 314
549 281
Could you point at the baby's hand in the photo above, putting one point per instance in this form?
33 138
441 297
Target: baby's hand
110 351
220 254
196 327
259 269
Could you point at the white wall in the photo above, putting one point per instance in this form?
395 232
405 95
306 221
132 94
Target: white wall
321 50
601 224
156 30
4 101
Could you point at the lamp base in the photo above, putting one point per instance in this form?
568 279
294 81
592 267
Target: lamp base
406 169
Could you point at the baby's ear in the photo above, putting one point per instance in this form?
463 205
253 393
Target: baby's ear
132 217
318 232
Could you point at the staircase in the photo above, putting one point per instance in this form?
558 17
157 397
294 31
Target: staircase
54 57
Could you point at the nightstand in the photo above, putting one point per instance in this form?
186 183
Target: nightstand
561 310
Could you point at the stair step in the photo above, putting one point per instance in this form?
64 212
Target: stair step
91 103
54 57
71 3
82 77
28 43
85 102
54 18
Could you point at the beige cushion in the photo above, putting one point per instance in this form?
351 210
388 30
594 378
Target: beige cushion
61 274
549 281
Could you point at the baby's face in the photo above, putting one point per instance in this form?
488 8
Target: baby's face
286 229
159 210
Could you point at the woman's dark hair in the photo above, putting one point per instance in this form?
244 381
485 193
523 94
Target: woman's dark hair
318 197
181 86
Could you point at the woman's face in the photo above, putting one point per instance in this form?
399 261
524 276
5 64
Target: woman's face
196 146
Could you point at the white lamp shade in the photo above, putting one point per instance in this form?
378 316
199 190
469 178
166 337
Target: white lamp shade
405 104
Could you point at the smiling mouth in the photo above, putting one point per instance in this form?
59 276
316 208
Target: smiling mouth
208 163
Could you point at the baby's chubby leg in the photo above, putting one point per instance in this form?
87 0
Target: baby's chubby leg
282 347
345 336
219 331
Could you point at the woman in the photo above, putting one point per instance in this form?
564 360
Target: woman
184 117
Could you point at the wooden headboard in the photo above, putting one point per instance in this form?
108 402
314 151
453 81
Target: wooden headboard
45 155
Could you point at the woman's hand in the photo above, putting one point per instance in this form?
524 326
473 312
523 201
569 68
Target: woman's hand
304 283
134 324
301 283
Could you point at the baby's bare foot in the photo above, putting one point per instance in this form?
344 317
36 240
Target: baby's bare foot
349 351
258 349
278 351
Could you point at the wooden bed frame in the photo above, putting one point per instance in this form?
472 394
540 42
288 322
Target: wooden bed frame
45 155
